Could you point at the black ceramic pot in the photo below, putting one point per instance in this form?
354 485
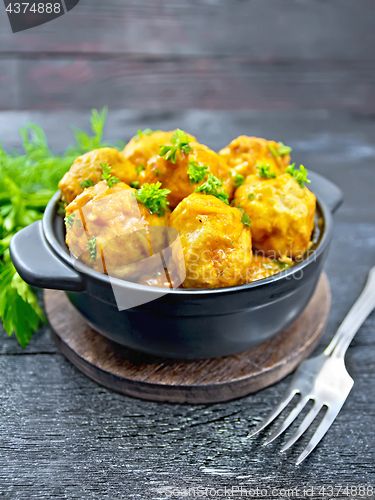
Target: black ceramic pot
183 323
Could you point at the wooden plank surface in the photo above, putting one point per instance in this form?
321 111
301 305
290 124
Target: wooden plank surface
62 436
178 54
76 82
257 29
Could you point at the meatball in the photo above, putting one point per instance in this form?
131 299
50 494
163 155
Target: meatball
244 153
88 168
281 212
216 244
108 229
145 145
175 177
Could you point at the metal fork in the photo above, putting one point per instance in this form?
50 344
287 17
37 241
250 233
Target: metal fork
323 379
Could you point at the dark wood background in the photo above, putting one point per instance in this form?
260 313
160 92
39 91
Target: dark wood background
183 54
300 71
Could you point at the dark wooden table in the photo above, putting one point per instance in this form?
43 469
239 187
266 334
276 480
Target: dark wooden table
62 436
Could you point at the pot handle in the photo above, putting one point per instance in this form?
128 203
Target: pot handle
326 190
36 263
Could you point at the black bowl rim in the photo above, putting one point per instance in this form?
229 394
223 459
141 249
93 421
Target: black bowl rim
62 253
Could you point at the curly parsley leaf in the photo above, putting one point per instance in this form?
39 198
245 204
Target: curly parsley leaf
180 141
197 172
141 133
299 175
107 176
251 196
69 220
92 248
153 197
134 184
245 219
282 265
86 183
281 149
239 180
213 186
139 169
264 171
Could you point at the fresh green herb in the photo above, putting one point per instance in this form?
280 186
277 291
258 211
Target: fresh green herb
268 266
19 308
86 183
299 175
86 142
281 149
28 179
61 209
251 196
141 133
69 220
282 265
107 176
264 171
156 172
92 248
153 197
245 219
180 141
239 180
196 172
213 186
139 169
134 184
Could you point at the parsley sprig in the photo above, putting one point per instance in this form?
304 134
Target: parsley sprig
28 179
238 180
196 172
92 248
180 141
264 171
281 149
282 265
299 175
139 169
153 197
69 220
213 186
141 133
107 176
245 219
86 183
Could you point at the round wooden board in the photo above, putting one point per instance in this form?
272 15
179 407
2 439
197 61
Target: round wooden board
197 381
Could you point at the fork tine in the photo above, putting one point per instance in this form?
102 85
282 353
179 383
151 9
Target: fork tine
307 421
274 413
324 425
289 419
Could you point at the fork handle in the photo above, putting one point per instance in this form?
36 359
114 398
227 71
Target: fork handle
361 309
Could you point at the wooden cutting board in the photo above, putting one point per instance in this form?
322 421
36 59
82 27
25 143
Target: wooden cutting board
194 381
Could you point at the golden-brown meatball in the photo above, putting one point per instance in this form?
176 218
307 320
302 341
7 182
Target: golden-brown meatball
117 226
88 168
215 242
281 212
145 145
174 176
244 153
